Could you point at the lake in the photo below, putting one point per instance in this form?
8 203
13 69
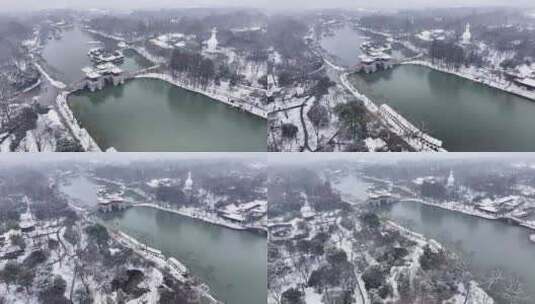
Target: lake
466 115
233 263
152 115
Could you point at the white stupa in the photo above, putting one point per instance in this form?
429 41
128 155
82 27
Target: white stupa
189 183
467 35
211 44
451 180
307 211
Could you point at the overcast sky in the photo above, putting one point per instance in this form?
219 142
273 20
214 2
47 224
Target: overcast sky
9 5
36 158
311 158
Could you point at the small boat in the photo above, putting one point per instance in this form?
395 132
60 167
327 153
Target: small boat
532 238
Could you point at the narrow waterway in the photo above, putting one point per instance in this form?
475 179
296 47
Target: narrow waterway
485 245
82 190
152 115
466 115
233 263
67 56
352 188
344 45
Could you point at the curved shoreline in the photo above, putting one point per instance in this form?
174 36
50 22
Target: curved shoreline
167 78
371 107
256 230
81 134
88 143
472 212
480 215
163 261
521 93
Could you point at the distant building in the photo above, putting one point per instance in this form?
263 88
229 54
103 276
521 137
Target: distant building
176 265
307 211
278 231
96 78
380 199
467 35
528 83
26 223
101 55
112 206
12 252
408 129
430 35
27 227
153 252
188 185
451 180
374 62
232 217
211 44
491 210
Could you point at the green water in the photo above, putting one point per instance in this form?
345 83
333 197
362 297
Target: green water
486 245
233 263
152 115
68 55
467 116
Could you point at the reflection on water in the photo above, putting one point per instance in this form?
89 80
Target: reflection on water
233 263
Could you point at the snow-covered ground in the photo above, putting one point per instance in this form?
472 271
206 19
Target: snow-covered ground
87 142
58 84
209 217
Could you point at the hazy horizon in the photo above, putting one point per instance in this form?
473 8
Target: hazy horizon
125 157
33 5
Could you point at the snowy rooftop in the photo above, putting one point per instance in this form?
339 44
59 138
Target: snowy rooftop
527 81
489 209
430 35
101 69
233 216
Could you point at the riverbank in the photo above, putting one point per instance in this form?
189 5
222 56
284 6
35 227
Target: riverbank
470 74
213 94
56 83
468 292
224 97
461 208
451 206
177 269
99 33
206 217
397 124
81 134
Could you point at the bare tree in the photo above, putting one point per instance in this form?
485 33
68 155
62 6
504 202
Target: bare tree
514 290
